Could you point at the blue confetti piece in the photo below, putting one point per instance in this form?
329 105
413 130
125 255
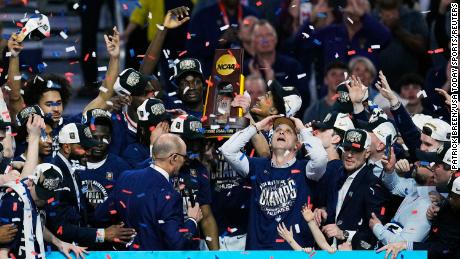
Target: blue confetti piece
140 195
217 78
56 54
424 163
278 11
321 15
131 52
143 225
242 156
5 220
224 234
48 248
227 127
253 178
317 42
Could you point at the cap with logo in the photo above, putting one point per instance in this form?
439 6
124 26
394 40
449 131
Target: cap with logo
420 120
187 65
442 155
343 103
23 116
286 99
284 120
97 116
130 82
188 127
380 126
151 112
37 27
356 139
47 179
76 133
335 120
437 129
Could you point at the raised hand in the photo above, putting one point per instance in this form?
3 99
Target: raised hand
14 45
402 166
385 90
176 17
307 214
160 129
67 248
389 165
35 124
356 90
444 94
242 101
112 43
267 123
285 233
320 215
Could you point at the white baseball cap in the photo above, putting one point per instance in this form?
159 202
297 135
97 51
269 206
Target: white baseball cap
421 119
437 129
37 27
76 133
456 186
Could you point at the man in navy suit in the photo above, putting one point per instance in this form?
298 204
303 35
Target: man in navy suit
359 194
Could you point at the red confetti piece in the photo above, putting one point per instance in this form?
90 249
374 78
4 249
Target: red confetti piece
183 230
135 246
279 240
229 230
382 211
182 53
457 174
12 256
204 118
414 212
13 134
108 256
59 231
252 153
229 52
308 200
209 83
189 36
369 50
196 238
295 171
125 7
123 204
15 206
435 230
220 138
167 197
127 192
116 240
351 52
86 57
237 66
50 200
259 3
113 212
108 186
356 145
20 25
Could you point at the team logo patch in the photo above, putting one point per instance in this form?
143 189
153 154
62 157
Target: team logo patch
343 97
193 172
354 136
187 64
133 79
195 126
158 109
51 184
72 135
109 176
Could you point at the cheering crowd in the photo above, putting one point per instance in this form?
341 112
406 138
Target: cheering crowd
360 159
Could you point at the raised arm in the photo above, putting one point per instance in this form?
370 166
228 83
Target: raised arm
315 231
112 43
35 125
173 19
8 149
14 76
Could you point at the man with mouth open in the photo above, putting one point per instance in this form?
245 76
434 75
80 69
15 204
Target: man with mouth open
280 184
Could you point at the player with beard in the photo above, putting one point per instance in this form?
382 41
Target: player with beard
102 168
68 217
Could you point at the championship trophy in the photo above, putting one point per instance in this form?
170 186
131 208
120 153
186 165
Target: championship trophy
220 118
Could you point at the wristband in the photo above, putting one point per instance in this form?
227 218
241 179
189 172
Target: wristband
100 235
396 106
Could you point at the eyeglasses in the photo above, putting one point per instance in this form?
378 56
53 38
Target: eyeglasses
184 156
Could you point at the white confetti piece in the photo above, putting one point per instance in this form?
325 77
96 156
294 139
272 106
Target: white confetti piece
297 228
17 78
350 20
223 28
375 46
214 127
93 54
21 92
286 152
405 147
232 119
305 35
212 115
160 27
336 55
176 61
178 101
75 6
311 27
15 220
156 93
8 54
421 93
7 88
233 230
206 43
63 35
269 82
103 89
69 49
37 11
161 221
101 69
209 239
49 84
109 103
150 15
105 141
301 76
172 93
186 89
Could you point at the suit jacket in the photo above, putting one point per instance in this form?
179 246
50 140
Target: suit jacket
66 218
365 195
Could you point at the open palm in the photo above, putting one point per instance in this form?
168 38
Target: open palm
176 17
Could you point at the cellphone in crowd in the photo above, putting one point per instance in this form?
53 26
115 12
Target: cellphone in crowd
388 147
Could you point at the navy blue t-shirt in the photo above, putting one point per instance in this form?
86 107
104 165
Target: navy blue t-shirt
135 154
12 211
278 195
122 136
98 183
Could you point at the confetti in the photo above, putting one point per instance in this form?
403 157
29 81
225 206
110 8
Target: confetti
103 89
259 3
214 127
295 171
182 53
305 35
382 211
350 20
101 69
336 55
297 228
160 27
223 28
50 200
252 153
135 246
206 44
113 212
70 49
421 93
172 93
15 206
183 230
351 52
375 46
75 6
414 212
167 197
63 35
123 204
301 76
17 78
59 231
279 240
